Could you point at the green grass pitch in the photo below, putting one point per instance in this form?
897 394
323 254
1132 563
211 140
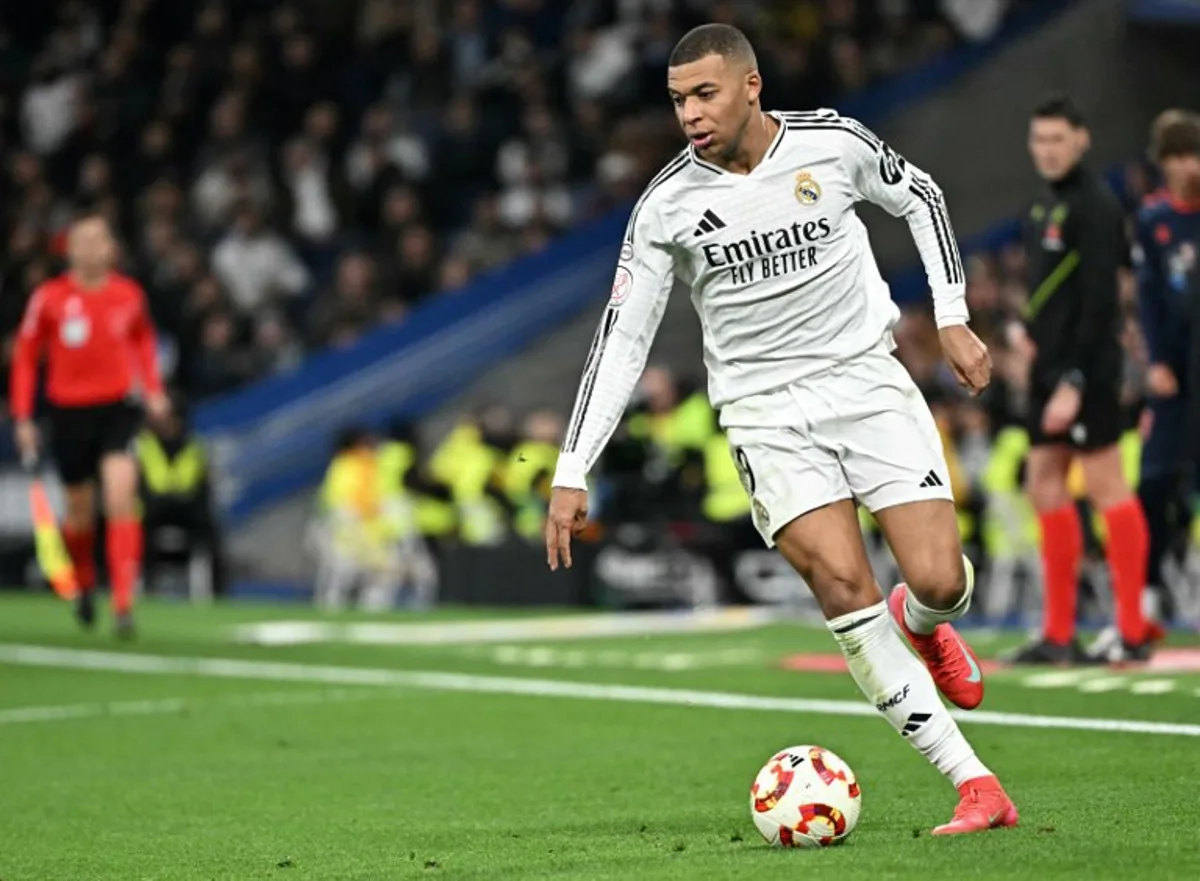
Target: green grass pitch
136 762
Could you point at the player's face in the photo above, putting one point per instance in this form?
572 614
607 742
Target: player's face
713 99
1182 173
1056 146
90 246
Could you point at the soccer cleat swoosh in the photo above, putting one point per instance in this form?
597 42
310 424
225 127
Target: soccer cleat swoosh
976 673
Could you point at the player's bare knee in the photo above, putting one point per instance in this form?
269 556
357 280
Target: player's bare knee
119 478
841 593
1046 478
841 582
80 513
939 582
1104 476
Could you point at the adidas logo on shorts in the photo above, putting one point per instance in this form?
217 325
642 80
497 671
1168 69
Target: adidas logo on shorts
931 479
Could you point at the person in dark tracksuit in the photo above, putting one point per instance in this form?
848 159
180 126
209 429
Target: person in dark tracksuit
1076 245
1166 253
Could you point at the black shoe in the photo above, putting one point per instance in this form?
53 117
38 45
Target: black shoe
1043 651
125 628
1122 652
85 609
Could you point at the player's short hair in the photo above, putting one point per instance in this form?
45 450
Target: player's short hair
713 39
87 213
1175 133
1059 106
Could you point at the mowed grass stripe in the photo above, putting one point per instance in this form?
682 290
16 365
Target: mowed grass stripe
229 668
175 705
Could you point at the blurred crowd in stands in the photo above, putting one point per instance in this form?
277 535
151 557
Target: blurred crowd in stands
287 174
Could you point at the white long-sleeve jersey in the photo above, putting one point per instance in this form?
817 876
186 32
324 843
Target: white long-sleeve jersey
779 265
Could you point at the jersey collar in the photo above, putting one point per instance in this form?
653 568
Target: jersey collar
1184 206
79 286
695 157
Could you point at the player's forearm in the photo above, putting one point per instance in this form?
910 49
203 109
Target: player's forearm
939 254
148 356
22 384
1152 314
608 382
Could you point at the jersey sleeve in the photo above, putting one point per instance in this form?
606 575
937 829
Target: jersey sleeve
641 287
1152 304
884 177
27 352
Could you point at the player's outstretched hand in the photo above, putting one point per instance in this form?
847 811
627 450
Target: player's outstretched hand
566 517
1161 381
29 441
967 356
1062 409
158 407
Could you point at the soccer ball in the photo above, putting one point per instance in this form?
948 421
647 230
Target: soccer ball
805 796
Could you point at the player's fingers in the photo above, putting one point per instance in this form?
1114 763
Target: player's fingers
564 544
983 375
551 536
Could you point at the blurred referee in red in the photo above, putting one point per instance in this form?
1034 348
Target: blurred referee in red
93 328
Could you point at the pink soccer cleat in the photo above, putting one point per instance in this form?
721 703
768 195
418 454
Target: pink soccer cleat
951 662
983 805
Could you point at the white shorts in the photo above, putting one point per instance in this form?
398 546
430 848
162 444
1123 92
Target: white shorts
859 430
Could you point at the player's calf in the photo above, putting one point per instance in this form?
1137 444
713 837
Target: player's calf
940 582
124 537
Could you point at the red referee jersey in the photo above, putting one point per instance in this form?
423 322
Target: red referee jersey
99 344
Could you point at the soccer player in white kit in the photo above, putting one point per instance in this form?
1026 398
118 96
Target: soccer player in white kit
757 216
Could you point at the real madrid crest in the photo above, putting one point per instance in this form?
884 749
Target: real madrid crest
808 191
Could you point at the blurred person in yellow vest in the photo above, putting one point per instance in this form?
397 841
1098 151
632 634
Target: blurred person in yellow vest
529 471
354 533
421 510
1011 534
471 461
404 468
727 500
675 416
175 491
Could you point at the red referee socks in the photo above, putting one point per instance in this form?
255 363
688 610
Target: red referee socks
124 542
1128 550
1062 549
81 548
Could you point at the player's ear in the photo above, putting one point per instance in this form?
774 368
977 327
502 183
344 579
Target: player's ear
1085 139
753 85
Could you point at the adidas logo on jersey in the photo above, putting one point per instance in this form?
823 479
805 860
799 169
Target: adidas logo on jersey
931 479
708 223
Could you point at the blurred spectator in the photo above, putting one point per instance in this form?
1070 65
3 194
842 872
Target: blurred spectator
256 264
259 143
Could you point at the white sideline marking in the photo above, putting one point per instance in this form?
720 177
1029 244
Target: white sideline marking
549 656
1153 686
527 629
230 668
172 705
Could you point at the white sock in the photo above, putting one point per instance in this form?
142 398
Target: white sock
921 619
900 687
